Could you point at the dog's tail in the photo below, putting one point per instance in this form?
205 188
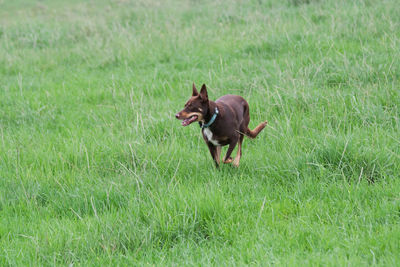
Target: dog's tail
253 133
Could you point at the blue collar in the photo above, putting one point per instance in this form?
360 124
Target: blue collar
214 116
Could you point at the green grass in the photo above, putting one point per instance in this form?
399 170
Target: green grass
95 170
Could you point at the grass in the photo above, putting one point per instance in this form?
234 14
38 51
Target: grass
95 170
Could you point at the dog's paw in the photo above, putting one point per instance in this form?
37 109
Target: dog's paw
236 162
229 160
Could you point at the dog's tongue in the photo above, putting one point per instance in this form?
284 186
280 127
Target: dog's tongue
188 121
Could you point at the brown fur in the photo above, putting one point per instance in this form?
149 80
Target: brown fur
229 127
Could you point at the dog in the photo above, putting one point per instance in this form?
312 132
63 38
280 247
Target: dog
223 122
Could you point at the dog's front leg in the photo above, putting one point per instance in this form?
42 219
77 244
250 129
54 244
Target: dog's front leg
215 152
231 147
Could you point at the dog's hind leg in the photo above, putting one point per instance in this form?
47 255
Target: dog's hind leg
239 152
256 131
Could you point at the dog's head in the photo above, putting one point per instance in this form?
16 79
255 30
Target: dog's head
195 108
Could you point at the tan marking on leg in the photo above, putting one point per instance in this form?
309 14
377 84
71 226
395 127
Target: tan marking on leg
218 154
238 153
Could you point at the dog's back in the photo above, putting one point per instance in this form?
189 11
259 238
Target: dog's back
236 109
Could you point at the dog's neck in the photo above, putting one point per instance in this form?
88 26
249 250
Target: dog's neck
210 111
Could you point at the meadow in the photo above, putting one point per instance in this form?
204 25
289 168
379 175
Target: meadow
95 170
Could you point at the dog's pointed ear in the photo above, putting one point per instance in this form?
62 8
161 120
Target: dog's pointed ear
195 93
203 93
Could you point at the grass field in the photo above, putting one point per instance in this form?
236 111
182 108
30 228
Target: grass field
95 170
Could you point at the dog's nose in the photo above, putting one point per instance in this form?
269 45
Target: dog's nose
177 115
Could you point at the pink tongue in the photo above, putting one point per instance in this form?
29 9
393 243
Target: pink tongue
188 121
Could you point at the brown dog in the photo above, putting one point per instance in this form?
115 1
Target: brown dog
223 122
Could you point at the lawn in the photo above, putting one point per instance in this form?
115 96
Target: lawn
95 169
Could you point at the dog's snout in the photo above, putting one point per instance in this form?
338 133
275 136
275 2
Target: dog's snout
177 115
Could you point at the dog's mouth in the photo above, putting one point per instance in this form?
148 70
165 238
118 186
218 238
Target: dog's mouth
189 120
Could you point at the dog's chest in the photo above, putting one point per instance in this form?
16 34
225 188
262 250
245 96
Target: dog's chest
209 135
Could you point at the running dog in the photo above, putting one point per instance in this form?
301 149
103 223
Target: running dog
223 122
